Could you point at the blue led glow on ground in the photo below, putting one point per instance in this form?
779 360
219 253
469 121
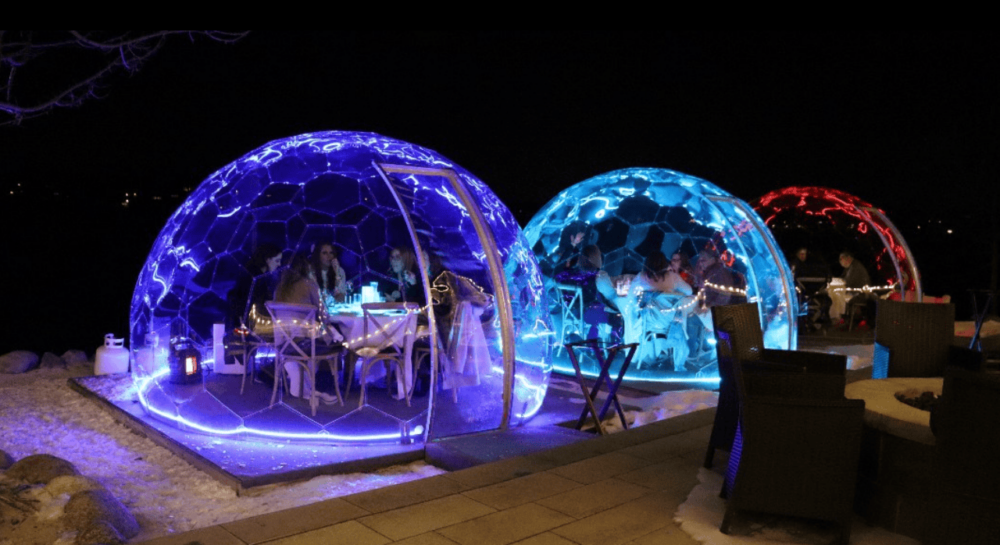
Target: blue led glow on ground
568 370
147 382
630 213
328 187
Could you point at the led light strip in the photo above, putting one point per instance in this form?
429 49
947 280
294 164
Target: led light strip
146 383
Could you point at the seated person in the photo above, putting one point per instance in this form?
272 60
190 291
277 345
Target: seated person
327 272
247 298
264 283
856 278
297 286
680 264
404 284
717 280
567 255
811 277
664 302
598 291
657 275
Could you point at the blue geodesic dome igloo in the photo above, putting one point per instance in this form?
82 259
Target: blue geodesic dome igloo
471 341
721 247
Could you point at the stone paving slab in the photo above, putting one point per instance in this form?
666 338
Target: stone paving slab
668 535
588 500
600 467
289 522
498 472
625 522
622 488
214 535
401 495
522 490
345 533
429 538
548 538
425 517
506 526
664 475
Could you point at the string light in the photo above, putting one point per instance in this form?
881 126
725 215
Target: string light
867 289
363 339
726 289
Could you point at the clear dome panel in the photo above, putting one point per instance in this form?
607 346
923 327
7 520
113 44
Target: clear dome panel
593 240
203 338
827 222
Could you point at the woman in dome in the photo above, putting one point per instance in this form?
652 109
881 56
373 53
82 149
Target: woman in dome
247 298
296 284
405 282
663 305
264 265
680 264
327 272
599 295
567 254
658 275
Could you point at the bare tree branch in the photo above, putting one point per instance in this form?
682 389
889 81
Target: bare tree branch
44 70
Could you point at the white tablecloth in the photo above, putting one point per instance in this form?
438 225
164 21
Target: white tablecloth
402 329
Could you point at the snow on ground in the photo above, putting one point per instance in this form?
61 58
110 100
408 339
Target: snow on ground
859 356
989 328
39 413
652 409
701 515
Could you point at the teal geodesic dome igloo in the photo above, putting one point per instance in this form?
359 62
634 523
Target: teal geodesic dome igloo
471 329
628 214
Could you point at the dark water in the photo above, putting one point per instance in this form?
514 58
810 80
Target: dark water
71 265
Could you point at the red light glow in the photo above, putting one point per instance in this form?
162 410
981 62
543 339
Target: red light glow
838 207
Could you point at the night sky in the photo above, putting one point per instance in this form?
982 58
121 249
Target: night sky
906 121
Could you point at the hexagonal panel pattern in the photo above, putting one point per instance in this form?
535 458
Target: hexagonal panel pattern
203 349
829 221
628 214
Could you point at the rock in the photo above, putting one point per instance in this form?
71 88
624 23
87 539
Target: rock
51 361
18 361
100 532
40 469
90 506
75 358
5 459
71 484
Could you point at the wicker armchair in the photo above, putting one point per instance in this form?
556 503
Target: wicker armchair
739 338
965 478
915 339
796 447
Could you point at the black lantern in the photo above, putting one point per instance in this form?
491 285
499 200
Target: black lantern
185 362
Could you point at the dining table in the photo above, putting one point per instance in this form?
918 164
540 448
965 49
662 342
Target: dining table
399 328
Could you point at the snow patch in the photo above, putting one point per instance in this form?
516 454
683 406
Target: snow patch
42 414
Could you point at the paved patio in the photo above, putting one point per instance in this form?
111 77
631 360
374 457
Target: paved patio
617 489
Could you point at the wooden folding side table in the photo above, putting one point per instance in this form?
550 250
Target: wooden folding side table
605 354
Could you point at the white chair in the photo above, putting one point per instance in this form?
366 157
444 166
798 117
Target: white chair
295 333
387 339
